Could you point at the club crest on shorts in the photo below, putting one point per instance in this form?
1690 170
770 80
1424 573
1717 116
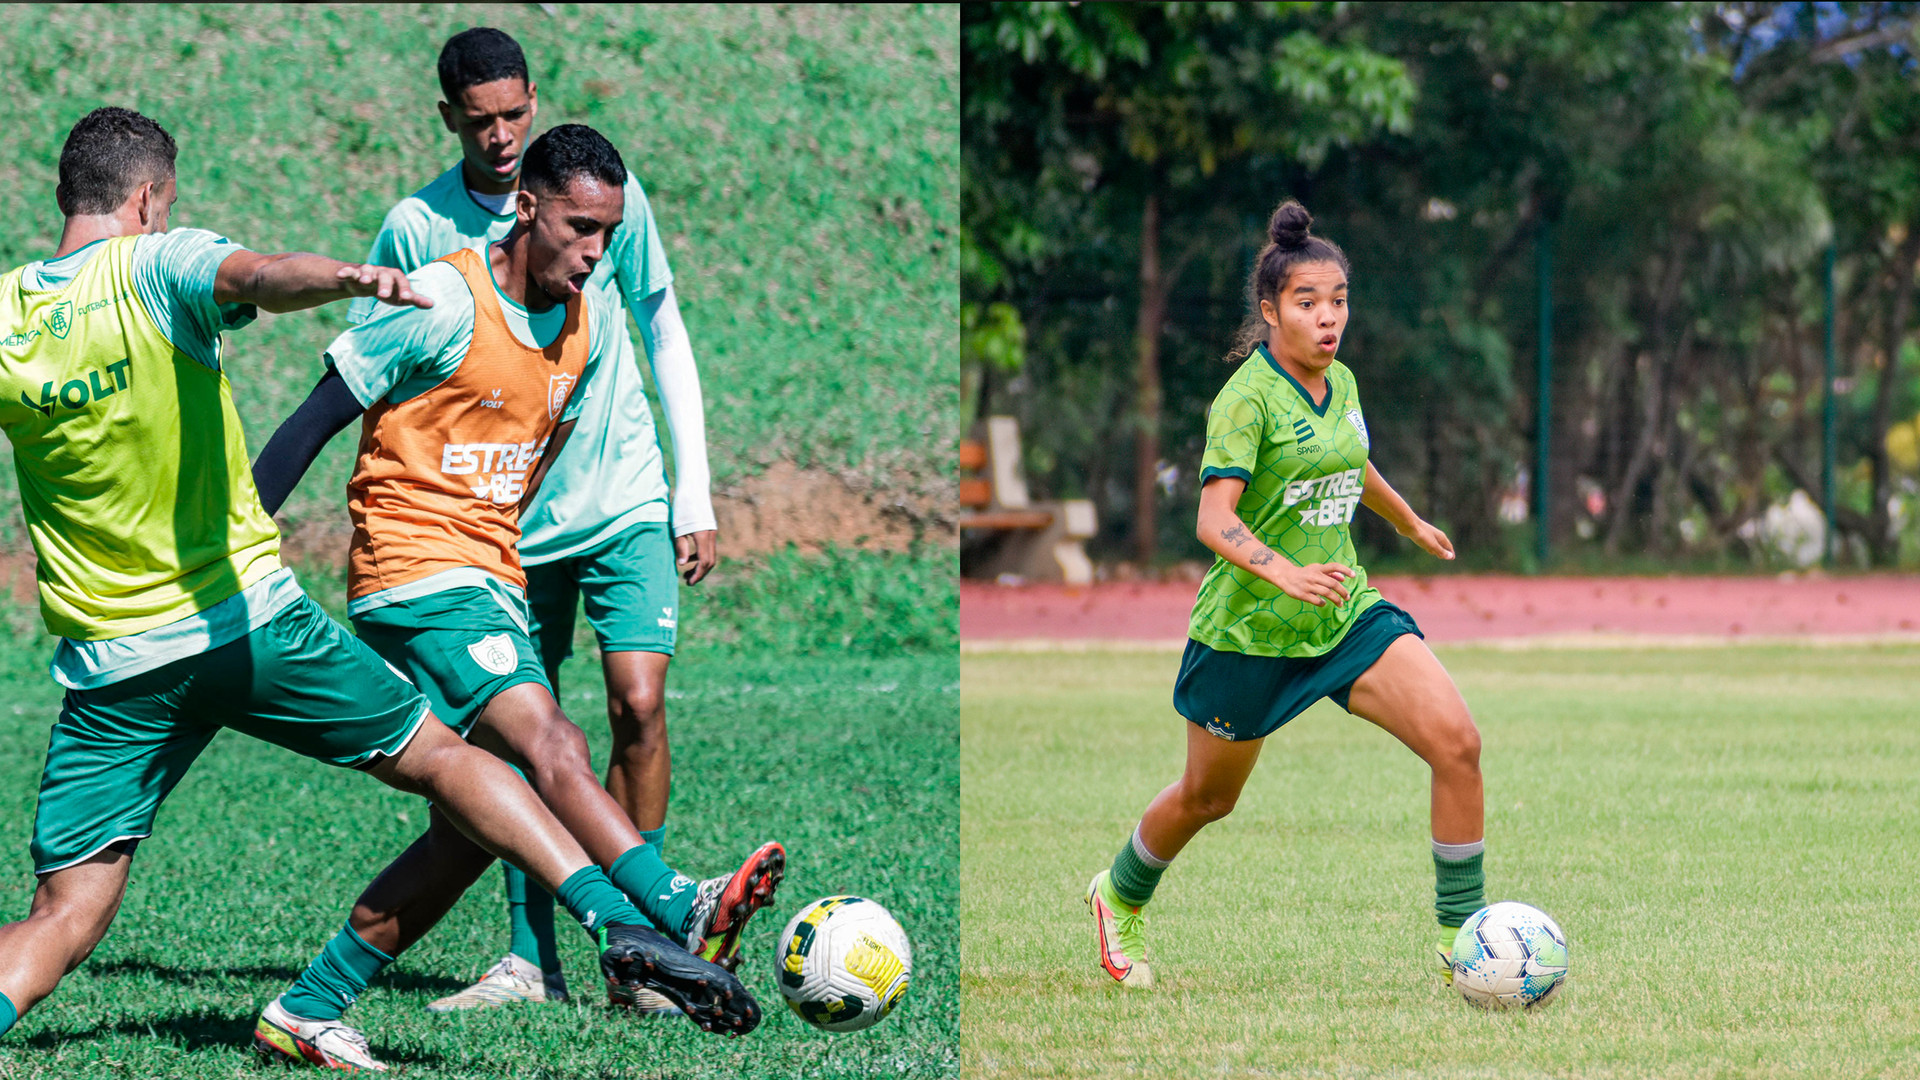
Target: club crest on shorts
558 388
495 653
1359 425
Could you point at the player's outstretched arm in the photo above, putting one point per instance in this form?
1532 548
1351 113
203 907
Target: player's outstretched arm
287 456
1379 497
294 281
1221 529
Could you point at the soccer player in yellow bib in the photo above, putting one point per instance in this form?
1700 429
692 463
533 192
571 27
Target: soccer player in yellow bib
160 573
1285 616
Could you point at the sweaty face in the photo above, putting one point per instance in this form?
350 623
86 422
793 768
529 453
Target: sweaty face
568 231
1311 315
492 120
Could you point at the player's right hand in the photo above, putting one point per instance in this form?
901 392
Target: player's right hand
1315 583
383 283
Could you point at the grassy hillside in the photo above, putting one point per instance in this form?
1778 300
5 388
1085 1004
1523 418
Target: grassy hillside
802 162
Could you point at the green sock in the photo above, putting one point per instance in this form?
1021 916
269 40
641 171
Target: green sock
336 977
9 1015
1459 884
656 837
664 895
530 922
1136 871
589 897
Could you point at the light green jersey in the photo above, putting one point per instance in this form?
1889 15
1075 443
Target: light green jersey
610 474
1304 464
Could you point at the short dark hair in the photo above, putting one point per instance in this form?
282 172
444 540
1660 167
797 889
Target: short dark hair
108 154
567 152
479 55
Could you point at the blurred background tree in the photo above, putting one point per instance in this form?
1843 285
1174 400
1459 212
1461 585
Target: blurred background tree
1694 162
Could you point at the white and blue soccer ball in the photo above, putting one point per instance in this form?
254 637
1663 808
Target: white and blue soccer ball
843 963
1509 956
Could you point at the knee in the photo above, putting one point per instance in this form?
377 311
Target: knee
639 721
1459 748
557 746
1209 806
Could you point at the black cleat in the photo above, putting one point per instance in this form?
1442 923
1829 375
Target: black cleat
709 994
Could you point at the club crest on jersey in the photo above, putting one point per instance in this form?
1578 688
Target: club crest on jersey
558 388
59 320
495 653
1360 426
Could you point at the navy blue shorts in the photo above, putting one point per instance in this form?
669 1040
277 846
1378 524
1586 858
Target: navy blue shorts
1239 697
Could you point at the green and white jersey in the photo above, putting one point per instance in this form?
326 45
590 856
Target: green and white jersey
610 474
1304 464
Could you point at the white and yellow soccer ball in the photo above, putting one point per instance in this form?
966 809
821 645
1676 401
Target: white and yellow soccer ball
843 963
1510 956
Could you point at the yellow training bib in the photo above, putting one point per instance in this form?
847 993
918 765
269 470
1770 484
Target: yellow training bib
133 470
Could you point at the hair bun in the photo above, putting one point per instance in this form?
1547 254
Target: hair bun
1288 228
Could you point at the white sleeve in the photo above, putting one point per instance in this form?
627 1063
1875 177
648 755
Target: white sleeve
678 380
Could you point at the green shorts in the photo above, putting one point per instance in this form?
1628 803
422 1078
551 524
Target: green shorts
631 588
1240 698
460 646
300 682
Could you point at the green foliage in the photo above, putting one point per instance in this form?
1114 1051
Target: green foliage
1711 827
801 161
839 602
1693 162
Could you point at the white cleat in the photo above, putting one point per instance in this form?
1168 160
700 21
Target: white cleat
509 982
642 1001
330 1044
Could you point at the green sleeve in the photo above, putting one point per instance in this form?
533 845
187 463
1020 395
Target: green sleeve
639 257
402 352
174 273
1236 426
394 245
604 320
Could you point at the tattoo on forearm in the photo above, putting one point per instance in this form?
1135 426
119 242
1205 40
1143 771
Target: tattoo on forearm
1261 557
1237 535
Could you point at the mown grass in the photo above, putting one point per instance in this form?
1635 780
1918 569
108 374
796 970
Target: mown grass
258 855
1725 834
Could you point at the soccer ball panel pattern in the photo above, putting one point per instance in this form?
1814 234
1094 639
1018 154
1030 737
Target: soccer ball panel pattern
843 963
1510 956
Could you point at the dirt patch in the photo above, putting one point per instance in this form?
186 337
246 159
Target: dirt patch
810 508
813 508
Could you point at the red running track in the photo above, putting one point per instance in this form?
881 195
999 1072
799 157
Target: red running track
1490 607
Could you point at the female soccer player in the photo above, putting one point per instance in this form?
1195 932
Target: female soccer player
1285 616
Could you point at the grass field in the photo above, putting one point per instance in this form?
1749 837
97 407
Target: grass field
258 855
1727 836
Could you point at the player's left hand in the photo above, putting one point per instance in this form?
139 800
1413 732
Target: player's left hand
1431 539
697 554
383 283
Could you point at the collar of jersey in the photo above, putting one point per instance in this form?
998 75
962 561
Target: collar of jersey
460 177
69 269
1318 410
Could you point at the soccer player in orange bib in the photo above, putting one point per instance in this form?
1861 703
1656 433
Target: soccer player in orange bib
463 411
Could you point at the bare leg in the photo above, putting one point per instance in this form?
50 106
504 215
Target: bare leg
523 724
1205 793
72 909
483 798
640 769
1410 696
417 890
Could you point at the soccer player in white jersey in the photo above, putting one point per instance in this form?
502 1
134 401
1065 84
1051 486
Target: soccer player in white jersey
602 527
